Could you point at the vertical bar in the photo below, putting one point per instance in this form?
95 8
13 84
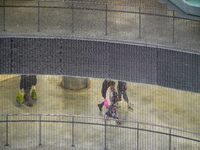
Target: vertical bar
86 82
72 17
73 131
173 41
105 136
7 131
137 136
139 22
38 16
170 138
11 55
106 23
40 131
4 15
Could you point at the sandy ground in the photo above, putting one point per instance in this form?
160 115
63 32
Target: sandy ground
152 104
91 24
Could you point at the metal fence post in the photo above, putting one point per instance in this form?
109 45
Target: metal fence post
105 136
4 15
72 17
137 136
11 56
40 130
173 41
7 131
170 138
38 16
73 131
86 82
139 22
106 23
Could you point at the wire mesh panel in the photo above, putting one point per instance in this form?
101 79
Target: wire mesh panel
2 132
147 22
5 53
56 134
89 20
16 23
68 45
160 32
181 70
55 21
21 131
187 31
82 132
122 25
184 144
153 141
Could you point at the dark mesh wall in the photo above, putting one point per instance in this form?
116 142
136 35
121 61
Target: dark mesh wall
178 70
5 56
96 59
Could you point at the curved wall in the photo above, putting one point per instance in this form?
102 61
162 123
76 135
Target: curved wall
99 59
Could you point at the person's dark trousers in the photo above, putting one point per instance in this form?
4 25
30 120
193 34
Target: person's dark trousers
102 104
27 97
100 108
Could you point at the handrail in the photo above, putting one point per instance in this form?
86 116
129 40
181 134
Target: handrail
79 116
137 128
100 3
106 10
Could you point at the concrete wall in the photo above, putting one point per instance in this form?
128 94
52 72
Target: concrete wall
99 59
187 7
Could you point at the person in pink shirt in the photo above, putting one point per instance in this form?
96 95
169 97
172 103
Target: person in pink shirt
111 99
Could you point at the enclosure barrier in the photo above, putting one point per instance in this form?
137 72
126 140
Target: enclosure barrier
105 124
106 10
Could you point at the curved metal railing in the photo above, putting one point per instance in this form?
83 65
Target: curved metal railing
104 123
159 12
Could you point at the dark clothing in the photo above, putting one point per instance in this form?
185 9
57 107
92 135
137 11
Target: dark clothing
27 81
114 99
101 105
105 86
124 95
121 86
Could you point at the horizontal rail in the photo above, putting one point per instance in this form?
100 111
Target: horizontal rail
92 117
101 3
99 124
96 9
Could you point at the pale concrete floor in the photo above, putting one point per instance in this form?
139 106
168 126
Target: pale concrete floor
91 24
152 104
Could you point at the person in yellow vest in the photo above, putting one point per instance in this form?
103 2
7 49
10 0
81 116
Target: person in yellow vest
26 83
